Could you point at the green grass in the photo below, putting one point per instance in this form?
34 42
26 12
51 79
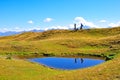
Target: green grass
109 70
60 43
23 70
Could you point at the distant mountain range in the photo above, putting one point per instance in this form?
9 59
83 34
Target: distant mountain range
8 33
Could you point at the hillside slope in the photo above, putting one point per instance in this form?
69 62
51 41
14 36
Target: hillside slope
60 43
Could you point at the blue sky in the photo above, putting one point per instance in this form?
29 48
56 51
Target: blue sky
17 15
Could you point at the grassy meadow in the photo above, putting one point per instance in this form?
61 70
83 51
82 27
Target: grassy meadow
95 42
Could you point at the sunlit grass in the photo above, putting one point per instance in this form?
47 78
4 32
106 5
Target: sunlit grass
22 70
60 43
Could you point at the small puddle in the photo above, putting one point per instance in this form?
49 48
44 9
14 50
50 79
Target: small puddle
67 63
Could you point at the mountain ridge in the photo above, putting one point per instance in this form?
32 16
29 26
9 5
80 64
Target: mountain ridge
9 33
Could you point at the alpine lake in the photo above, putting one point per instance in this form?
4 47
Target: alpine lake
67 63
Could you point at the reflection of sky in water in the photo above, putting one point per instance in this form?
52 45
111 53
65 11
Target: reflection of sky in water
67 63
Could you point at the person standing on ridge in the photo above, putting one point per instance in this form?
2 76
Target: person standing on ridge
81 26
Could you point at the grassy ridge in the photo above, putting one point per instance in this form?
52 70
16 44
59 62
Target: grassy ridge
58 42
61 43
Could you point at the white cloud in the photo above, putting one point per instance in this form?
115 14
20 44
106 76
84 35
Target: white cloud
33 28
30 22
48 20
79 20
59 27
102 21
46 29
71 25
4 30
17 29
56 27
114 24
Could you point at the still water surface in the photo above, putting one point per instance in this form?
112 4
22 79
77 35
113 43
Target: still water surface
67 63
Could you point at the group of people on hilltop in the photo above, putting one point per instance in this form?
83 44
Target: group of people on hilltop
75 28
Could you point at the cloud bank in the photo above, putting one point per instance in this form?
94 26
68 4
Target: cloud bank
102 21
78 20
114 24
81 20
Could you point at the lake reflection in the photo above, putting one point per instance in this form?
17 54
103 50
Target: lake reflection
67 63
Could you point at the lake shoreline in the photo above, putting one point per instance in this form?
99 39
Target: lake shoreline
96 56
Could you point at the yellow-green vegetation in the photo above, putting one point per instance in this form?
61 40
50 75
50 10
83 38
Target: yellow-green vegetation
100 42
107 71
15 69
